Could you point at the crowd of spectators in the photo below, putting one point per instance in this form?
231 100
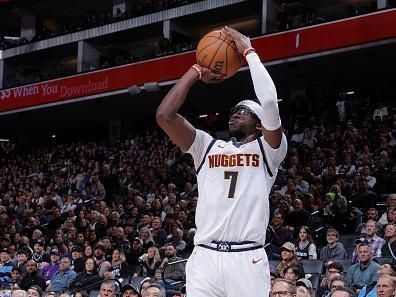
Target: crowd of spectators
74 215
100 19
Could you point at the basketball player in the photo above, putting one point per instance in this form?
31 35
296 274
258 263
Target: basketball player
234 181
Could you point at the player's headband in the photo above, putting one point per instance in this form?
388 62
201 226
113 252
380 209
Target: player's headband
253 106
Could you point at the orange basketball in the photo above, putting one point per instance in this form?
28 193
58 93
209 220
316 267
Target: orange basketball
219 53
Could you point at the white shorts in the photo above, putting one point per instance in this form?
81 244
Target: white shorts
211 273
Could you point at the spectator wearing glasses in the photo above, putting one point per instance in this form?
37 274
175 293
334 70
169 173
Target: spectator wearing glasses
283 288
333 269
365 271
63 278
338 281
342 292
333 250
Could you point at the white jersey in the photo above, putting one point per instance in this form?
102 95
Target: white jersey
234 182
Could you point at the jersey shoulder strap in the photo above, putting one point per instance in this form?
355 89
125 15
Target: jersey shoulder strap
265 158
206 153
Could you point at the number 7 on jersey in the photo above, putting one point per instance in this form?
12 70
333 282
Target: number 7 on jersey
233 177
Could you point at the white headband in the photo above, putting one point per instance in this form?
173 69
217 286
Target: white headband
253 107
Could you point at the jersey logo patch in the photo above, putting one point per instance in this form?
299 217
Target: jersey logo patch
254 261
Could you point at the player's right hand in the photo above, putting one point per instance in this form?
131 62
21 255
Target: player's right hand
210 77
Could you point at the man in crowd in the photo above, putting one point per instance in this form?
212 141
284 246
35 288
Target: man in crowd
365 271
129 291
63 278
154 290
77 259
31 277
53 267
174 272
386 286
283 287
107 289
39 256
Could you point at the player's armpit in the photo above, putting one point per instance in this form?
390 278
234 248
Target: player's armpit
179 130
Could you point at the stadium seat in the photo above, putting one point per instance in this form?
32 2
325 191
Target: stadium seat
348 240
274 263
315 280
312 266
346 263
383 260
349 250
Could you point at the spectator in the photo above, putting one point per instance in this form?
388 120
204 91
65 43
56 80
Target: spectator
373 240
39 256
133 255
381 112
342 292
154 290
294 272
5 265
333 250
21 257
370 289
390 205
51 268
129 291
332 268
100 259
31 277
15 278
372 214
288 257
389 247
107 289
119 267
279 233
34 291
283 285
305 248
77 259
305 283
159 234
298 217
365 271
89 278
174 272
150 262
63 278
386 286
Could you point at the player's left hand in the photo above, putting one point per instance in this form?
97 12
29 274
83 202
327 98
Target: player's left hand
241 41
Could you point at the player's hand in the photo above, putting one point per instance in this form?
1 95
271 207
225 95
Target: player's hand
210 77
241 41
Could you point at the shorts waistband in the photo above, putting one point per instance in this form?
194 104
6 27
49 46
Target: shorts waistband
230 246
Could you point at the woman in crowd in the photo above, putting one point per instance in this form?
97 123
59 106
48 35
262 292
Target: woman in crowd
88 251
288 257
89 279
389 247
145 235
294 272
150 262
305 247
119 266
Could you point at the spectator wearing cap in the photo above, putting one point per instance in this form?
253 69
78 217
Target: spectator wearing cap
288 257
144 284
39 256
129 291
5 265
133 254
34 291
32 276
365 271
100 259
63 278
88 277
77 259
49 270
333 250
306 283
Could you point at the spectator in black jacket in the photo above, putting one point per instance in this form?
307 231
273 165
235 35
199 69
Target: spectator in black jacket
89 278
31 277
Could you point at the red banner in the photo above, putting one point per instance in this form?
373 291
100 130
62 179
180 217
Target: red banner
318 38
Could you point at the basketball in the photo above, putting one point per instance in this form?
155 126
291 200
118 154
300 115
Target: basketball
218 52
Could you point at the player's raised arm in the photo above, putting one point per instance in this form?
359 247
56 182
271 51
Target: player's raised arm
264 88
179 130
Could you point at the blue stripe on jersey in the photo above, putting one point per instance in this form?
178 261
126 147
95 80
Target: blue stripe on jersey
265 158
206 153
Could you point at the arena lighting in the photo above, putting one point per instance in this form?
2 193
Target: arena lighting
203 116
350 93
4 140
280 99
53 136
